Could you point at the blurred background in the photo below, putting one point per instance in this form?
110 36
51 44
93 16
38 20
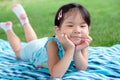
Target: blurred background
105 18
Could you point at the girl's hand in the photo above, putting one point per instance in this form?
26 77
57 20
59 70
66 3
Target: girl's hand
84 43
67 44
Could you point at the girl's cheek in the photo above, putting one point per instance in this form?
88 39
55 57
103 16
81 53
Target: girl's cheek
67 32
85 32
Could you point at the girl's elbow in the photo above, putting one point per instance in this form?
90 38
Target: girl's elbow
82 68
85 67
56 76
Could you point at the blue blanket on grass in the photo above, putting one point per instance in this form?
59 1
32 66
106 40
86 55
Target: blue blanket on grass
104 64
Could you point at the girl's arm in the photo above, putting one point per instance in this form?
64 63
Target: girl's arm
58 67
81 53
81 59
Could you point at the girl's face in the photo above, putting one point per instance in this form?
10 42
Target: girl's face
74 27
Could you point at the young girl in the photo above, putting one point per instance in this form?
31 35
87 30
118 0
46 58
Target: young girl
70 44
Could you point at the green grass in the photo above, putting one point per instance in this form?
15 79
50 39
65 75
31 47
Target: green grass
105 18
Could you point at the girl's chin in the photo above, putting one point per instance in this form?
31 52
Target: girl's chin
76 42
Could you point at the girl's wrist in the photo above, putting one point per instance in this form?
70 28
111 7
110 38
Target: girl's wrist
78 50
70 50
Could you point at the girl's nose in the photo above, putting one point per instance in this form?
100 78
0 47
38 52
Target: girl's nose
77 29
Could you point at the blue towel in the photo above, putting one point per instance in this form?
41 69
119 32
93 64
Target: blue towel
103 64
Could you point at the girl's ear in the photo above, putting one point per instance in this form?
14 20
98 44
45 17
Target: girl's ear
57 29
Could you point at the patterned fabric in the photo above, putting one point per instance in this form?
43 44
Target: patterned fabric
104 64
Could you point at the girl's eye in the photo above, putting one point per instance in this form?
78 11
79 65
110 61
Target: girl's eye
70 25
83 26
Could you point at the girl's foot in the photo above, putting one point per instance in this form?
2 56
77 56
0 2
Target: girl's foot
20 13
6 25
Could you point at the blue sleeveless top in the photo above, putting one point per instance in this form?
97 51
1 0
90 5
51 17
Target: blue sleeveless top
41 57
36 52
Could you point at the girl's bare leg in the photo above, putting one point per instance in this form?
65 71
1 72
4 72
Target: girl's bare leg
12 38
29 32
22 16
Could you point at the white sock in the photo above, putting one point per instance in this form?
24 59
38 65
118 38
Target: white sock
6 25
20 13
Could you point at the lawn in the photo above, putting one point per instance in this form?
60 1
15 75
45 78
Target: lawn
105 18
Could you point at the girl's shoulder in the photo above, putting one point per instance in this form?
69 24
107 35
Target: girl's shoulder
54 44
54 41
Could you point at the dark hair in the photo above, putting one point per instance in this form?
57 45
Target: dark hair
65 8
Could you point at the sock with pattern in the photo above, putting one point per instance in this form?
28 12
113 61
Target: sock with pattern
20 13
6 25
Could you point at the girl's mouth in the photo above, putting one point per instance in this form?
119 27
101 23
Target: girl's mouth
76 38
